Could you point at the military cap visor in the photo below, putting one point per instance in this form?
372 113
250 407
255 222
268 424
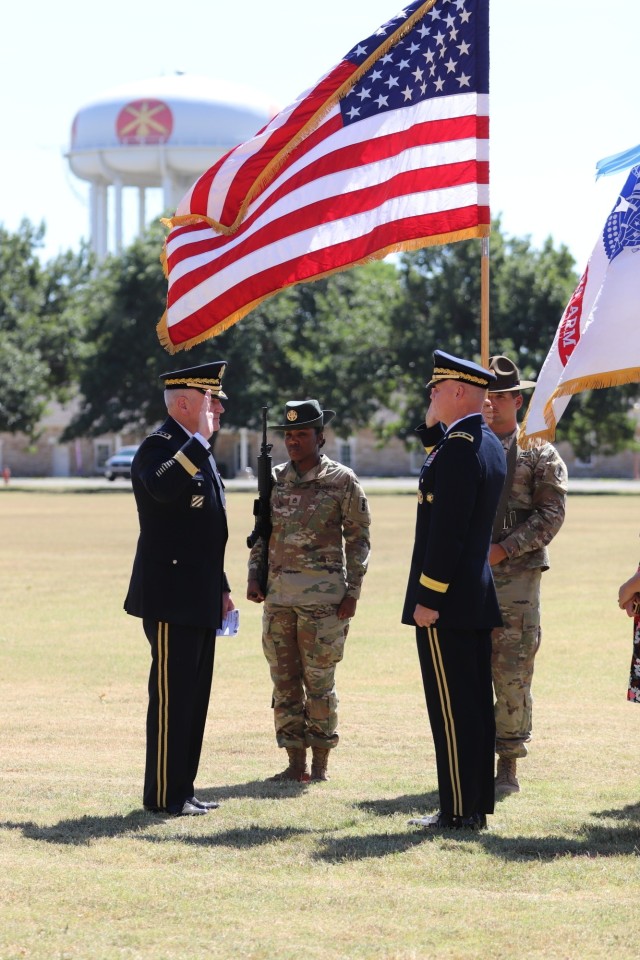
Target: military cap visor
206 376
448 367
303 414
507 376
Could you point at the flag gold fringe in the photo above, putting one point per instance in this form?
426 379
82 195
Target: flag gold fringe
596 381
280 158
162 328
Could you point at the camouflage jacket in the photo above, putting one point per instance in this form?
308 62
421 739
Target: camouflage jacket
319 546
540 486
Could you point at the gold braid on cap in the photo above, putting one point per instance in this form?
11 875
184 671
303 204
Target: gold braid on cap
203 383
441 373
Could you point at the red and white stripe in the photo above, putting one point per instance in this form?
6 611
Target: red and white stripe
410 176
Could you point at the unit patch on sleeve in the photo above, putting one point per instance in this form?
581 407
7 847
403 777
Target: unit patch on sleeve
197 500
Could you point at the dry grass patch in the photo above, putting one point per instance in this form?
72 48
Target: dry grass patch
325 870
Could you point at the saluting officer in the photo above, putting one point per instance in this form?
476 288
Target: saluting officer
451 599
178 585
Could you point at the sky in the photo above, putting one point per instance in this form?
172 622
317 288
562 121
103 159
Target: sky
562 89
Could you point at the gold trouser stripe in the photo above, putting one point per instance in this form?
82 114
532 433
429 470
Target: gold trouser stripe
185 463
436 585
163 711
447 716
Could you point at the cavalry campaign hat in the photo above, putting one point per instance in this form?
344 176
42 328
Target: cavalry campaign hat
207 376
507 376
447 367
300 414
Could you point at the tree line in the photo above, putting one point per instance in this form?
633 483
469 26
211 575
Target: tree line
360 341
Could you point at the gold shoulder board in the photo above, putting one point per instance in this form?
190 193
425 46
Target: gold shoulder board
460 433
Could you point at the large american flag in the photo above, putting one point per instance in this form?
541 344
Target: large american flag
389 151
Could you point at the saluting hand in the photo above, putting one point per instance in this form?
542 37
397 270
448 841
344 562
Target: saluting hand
206 416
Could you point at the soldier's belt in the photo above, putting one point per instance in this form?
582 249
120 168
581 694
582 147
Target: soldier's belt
513 517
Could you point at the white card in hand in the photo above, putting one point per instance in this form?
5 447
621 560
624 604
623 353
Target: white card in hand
230 624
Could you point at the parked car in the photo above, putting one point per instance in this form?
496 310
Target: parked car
119 465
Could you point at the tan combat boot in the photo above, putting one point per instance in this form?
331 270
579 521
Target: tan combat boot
319 760
297 769
506 780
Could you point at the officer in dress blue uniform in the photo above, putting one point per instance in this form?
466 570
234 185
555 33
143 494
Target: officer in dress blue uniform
451 599
178 585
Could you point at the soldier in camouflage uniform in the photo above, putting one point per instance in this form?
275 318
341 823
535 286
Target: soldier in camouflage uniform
318 554
529 515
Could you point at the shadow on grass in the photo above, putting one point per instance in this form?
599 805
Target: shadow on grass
83 830
375 845
413 804
243 838
258 789
599 839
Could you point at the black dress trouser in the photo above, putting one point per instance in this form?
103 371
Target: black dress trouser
179 689
456 673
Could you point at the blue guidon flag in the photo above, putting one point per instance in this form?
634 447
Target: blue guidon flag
389 151
597 343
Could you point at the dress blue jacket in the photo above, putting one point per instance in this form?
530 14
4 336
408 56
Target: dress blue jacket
178 571
458 493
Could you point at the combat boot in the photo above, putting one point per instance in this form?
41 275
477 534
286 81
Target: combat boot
297 769
506 780
319 760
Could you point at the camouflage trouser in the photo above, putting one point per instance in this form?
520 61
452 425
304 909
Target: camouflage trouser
514 647
302 646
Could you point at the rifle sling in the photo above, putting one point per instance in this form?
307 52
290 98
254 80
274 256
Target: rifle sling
498 523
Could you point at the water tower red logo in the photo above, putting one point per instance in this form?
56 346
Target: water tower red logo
144 121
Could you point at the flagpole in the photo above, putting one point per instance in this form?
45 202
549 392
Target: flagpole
484 303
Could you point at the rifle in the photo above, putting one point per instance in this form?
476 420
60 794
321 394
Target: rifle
262 506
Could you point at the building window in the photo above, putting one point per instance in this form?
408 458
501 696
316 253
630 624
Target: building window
346 451
101 453
416 458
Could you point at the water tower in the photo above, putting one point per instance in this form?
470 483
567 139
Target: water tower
157 133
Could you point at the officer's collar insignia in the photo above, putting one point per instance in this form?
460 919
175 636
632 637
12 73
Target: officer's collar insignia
420 496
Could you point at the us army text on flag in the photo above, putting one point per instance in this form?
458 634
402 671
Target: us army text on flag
389 151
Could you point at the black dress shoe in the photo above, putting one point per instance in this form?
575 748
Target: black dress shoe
187 809
204 804
440 821
477 821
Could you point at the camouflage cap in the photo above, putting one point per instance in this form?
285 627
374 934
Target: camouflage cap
300 414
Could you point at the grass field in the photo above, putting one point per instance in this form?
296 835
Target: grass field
323 870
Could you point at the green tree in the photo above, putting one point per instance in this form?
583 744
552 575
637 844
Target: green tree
327 339
40 330
529 289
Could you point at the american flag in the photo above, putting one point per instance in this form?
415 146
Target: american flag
389 151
